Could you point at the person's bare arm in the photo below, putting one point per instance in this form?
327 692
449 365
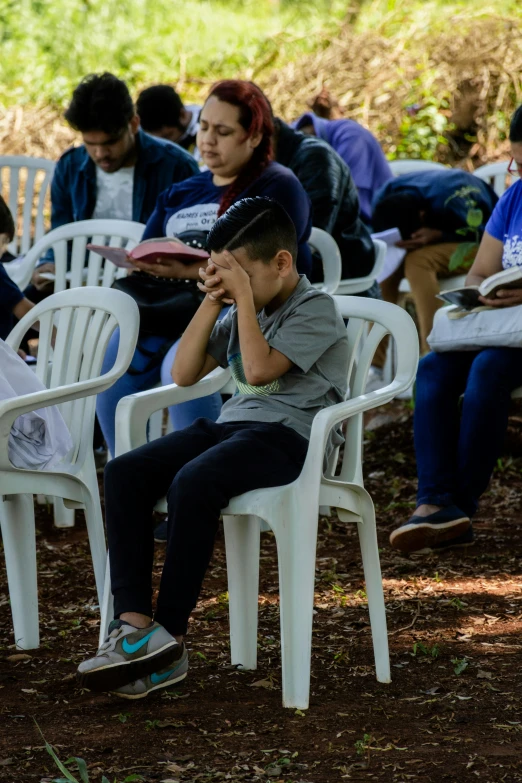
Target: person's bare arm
488 260
23 307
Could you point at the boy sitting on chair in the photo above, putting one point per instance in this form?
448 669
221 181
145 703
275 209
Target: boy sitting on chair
286 345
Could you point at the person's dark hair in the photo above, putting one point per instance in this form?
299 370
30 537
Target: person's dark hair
7 225
255 115
260 225
515 128
400 210
101 102
159 106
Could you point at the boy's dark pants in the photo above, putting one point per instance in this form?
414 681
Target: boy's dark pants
199 469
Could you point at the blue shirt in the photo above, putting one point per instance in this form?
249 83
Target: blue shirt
505 224
193 205
435 190
10 295
361 152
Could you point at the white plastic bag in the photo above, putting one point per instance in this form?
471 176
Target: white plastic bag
496 328
40 439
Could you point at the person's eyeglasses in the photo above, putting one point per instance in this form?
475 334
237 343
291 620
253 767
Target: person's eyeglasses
514 168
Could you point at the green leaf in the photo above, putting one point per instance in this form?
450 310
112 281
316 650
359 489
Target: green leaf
461 665
463 232
59 764
82 769
474 217
460 259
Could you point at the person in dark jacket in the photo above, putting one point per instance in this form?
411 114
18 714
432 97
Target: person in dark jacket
118 172
335 202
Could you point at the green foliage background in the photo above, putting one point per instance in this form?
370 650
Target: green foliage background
48 45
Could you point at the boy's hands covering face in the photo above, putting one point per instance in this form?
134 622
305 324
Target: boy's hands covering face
234 279
212 286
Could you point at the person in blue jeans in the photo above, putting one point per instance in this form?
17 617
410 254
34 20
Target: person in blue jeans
234 139
457 447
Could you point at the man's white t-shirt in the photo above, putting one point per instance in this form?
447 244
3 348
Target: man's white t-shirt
114 193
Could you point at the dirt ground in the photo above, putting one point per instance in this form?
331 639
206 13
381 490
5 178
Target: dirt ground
452 712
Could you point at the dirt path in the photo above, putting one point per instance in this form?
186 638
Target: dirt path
447 614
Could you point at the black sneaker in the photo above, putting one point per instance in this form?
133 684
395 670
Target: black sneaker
420 533
160 532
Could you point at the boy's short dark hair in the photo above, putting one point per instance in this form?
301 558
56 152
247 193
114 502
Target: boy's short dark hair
399 210
7 225
260 225
101 102
159 106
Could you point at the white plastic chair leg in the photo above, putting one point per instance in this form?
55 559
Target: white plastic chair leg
63 516
372 575
96 533
242 547
296 560
18 533
106 606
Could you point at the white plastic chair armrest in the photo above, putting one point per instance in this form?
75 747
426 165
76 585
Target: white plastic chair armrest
134 411
14 407
325 420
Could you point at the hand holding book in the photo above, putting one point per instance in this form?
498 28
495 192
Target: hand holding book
503 289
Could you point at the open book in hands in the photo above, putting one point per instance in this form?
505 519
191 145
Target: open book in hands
468 296
150 251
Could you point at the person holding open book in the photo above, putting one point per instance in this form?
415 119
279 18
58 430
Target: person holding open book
235 142
457 448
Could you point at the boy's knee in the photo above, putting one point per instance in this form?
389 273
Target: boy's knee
187 486
119 468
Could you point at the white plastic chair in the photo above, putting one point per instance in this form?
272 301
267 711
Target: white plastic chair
74 265
410 166
84 319
496 175
28 180
292 511
330 254
357 285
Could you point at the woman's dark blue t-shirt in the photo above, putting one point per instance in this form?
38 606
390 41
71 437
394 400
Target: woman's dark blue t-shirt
10 295
192 205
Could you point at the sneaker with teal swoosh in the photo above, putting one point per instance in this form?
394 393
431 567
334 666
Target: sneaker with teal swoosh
127 654
174 672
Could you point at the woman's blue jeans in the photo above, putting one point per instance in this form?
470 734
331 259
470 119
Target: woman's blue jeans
457 447
144 375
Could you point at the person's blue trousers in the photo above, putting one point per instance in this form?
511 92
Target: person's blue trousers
144 373
457 447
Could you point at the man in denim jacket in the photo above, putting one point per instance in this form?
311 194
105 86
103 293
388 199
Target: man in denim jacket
118 172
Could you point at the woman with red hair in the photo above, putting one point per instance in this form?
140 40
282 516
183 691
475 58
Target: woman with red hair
235 143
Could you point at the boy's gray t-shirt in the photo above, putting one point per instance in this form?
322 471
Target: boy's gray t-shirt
309 330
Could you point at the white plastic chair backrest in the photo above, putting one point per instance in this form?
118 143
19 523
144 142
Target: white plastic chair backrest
410 166
369 320
80 322
74 265
330 254
496 175
24 184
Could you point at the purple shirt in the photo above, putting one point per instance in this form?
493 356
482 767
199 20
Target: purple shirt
359 149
